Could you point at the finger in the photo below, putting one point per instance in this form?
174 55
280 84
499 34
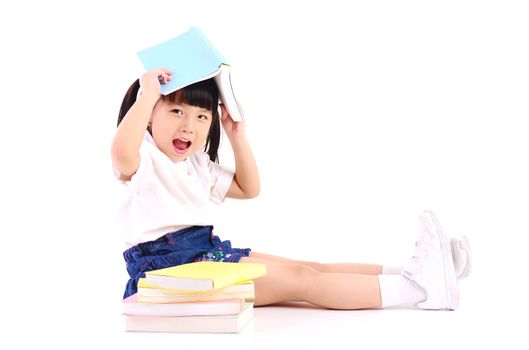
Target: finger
164 78
160 71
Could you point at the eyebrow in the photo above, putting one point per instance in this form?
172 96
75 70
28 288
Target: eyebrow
176 104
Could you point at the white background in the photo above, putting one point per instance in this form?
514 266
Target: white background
360 116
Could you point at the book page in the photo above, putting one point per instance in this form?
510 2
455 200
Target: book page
227 96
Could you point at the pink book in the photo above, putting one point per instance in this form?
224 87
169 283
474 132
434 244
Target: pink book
131 306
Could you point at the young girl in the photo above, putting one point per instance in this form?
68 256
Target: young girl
164 152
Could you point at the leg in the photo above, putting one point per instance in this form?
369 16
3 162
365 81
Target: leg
363 269
428 281
291 281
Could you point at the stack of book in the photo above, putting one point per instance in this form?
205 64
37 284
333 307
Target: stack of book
204 296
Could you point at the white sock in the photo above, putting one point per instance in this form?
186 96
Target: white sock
398 290
391 269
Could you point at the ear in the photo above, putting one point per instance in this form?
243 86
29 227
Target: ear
219 110
223 111
149 126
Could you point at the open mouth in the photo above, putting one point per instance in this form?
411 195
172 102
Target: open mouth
181 145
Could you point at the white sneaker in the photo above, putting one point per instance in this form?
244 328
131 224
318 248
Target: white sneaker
462 256
432 268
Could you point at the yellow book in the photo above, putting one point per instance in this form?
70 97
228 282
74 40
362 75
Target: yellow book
204 275
148 293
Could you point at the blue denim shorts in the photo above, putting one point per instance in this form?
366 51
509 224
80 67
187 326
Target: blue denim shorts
197 243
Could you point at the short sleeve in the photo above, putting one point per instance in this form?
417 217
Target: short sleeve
222 178
145 162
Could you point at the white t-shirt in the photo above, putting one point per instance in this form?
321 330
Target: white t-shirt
165 196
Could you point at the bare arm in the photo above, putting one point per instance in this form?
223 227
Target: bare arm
246 182
129 135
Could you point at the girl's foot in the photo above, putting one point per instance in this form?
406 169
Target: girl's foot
432 267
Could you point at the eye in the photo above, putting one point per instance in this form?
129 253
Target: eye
203 117
177 111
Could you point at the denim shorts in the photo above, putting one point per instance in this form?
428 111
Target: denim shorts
197 243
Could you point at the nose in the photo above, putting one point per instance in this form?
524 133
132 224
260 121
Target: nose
186 124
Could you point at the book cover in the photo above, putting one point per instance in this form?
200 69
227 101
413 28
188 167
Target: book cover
131 306
205 275
190 324
192 58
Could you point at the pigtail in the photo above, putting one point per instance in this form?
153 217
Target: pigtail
213 140
128 100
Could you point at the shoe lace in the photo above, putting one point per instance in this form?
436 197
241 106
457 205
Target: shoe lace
421 251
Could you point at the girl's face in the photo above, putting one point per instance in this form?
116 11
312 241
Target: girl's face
179 129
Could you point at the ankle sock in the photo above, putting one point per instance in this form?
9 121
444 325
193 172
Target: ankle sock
391 269
398 290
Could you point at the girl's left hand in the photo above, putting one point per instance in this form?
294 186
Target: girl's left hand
234 130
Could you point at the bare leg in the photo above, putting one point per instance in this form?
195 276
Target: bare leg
291 281
363 269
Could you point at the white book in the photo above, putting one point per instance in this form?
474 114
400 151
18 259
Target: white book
190 324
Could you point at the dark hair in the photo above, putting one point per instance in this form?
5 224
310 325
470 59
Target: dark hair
203 94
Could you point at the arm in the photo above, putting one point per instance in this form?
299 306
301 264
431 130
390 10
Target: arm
246 183
129 135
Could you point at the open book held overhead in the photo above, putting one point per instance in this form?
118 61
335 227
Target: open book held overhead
192 58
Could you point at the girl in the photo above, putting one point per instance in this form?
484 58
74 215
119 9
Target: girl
164 153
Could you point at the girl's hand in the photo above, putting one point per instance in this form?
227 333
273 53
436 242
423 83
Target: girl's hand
151 80
234 130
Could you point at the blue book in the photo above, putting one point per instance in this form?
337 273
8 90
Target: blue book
192 58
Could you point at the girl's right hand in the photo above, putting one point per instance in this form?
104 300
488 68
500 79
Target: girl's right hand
151 80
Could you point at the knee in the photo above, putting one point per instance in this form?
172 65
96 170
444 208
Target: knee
304 277
302 270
